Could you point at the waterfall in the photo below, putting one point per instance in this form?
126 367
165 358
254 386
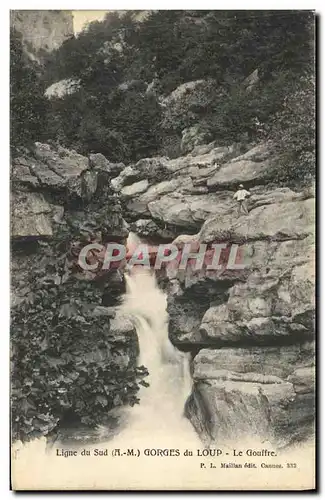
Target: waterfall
155 425
154 446
162 403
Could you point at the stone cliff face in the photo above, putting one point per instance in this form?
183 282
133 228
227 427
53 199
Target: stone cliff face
42 30
53 187
61 198
251 331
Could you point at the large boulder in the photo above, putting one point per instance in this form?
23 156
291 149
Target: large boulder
128 176
98 161
183 191
154 169
61 172
66 163
253 392
60 89
149 170
30 216
258 153
135 189
253 167
186 102
190 211
243 171
139 205
290 220
192 137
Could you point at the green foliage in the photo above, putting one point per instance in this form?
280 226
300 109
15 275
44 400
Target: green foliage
171 48
65 362
28 106
78 54
293 133
117 59
237 114
138 117
224 45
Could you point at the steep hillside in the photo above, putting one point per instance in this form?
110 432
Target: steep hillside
150 127
250 331
218 75
42 30
59 201
253 328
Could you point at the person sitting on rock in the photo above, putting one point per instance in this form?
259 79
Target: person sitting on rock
240 196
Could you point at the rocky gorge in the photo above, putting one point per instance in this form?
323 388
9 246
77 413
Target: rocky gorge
250 331
63 320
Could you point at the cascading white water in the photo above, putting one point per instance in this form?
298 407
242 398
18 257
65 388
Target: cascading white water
162 403
155 425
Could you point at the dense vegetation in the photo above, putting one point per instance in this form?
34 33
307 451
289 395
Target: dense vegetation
68 368
125 68
28 105
66 364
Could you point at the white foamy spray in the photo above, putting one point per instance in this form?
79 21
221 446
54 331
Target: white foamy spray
162 404
157 433
156 428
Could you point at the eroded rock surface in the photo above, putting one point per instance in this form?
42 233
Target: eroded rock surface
254 392
250 329
60 197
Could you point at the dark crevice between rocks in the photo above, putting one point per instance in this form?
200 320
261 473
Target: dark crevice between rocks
232 186
28 245
199 415
155 239
177 230
195 347
188 307
174 229
113 290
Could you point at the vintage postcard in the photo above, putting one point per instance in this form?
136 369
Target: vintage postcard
162 250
